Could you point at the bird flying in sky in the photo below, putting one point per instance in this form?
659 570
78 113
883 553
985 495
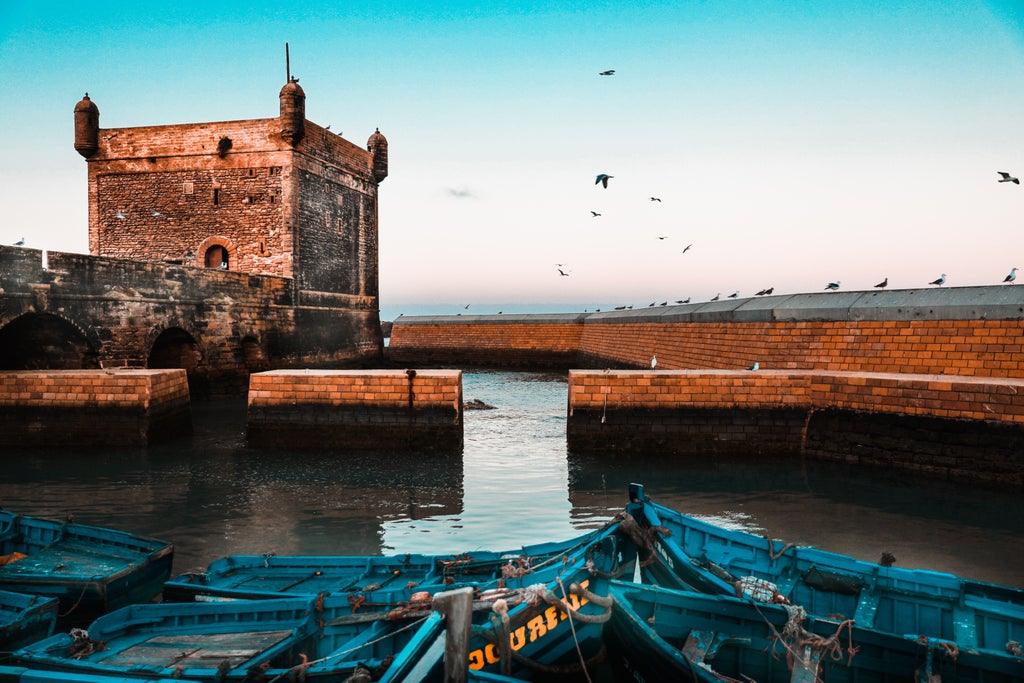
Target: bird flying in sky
609 72
687 248
563 273
595 214
1007 178
655 199
603 179
662 237
941 281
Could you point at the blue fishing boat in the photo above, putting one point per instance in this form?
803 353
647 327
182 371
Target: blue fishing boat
25 619
235 641
661 634
680 551
274 576
20 674
90 570
515 630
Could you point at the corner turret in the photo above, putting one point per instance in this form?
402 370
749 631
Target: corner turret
87 127
293 112
378 147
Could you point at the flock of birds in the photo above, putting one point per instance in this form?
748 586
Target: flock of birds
603 178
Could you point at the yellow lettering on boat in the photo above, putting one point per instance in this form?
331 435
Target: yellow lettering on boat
517 639
536 628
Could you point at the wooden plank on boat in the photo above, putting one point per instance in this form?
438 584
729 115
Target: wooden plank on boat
205 650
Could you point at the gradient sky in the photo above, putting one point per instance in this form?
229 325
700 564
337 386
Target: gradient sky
792 143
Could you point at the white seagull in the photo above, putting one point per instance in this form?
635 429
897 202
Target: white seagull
654 361
755 367
941 281
1012 276
833 285
1007 178
20 243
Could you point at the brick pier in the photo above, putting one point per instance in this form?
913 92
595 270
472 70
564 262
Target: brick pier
356 409
93 407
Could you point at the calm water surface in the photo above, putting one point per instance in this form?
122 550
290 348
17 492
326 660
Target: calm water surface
514 484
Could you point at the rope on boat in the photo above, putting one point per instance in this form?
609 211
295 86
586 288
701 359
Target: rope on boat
572 626
645 538
1014 648
306 663
795 635
771 547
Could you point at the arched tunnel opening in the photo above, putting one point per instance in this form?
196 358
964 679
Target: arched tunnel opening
176 348
42 341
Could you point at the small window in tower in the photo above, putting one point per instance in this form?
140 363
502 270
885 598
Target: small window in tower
251 198
187 187
273 198
252 172
217 257
263 247
275 170
216 196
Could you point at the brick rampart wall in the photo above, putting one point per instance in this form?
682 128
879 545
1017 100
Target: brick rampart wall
973 331
496 340
97 407
356 410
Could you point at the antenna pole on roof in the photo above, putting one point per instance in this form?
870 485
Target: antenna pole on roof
287 64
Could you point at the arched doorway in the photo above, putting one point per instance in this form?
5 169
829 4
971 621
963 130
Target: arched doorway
42 341
174 348
217 257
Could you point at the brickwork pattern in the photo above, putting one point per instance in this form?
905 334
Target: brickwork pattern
982 348
487 344
996 400
356 410
93 407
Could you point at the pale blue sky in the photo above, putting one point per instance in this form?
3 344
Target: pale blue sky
792 143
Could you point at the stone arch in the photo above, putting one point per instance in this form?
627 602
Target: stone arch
174 347
47 341
254 356
213 248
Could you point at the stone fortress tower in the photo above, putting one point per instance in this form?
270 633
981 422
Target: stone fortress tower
280 196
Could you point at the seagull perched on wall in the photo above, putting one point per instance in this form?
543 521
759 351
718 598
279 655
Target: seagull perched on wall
683 301
755 367
1012 276
883 284
734 294
654 361
832 285
20 243
1007 178
715 297
603 179
941 281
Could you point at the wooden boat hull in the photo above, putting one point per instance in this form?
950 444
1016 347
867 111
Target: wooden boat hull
683 552
25 619
325 638
659 634
274 576
90 570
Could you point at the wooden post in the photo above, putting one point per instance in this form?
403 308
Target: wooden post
457 608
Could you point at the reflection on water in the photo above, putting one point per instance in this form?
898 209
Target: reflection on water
514 484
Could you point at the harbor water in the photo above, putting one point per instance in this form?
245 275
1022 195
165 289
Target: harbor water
514 484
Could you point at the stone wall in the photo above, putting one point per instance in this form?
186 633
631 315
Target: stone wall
93 408
114 313
356 410
549 340
972 331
